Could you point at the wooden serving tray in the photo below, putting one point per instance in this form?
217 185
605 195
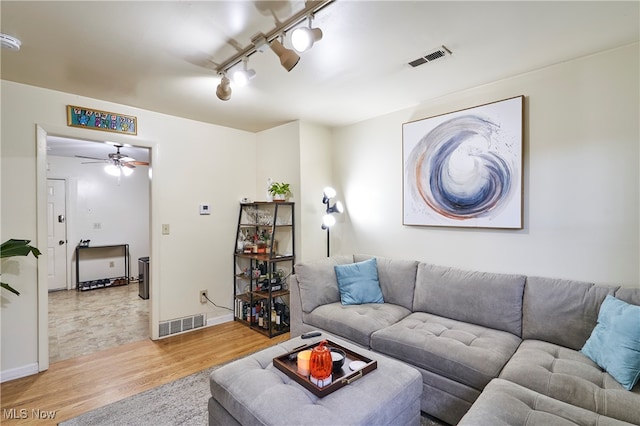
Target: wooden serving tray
340 378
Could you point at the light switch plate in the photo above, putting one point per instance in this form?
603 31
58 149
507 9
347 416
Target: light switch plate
165 229
205 209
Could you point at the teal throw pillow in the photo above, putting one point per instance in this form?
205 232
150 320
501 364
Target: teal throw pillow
358 283
614 343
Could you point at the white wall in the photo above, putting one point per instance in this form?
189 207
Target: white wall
299 153
315 174
278 158
121 208
581 181
193 163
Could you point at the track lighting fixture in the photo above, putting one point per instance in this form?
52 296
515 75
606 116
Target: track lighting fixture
242 76
302 38
288 57
223 91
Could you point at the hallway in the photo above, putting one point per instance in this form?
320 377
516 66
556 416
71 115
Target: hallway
85 322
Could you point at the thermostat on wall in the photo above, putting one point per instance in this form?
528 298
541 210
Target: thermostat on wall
205 209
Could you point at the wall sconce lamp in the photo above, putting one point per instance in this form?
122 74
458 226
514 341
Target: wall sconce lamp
328 220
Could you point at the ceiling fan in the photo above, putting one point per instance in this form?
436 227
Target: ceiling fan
117 163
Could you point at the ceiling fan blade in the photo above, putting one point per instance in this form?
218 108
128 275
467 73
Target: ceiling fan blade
128 164
94 162
138 163
90 158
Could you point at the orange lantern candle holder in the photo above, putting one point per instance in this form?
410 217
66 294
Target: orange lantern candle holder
321 365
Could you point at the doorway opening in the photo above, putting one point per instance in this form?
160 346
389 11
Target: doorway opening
99 303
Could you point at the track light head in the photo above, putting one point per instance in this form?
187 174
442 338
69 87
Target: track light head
223 91
242 76
288 58
303 38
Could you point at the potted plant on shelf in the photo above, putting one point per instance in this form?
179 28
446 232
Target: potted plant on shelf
279 190
12 248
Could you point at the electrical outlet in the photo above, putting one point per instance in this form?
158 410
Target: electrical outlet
204 294
112 264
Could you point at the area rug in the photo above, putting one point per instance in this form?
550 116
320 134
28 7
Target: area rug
181 402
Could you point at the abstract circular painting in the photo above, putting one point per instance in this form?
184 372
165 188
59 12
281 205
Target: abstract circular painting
465 168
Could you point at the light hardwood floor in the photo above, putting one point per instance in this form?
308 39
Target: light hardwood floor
75 386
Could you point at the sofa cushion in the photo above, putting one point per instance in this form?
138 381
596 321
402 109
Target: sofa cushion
397 279
358 283
615 342
491 300
561 311
467 353
629 295
317 281
355 322
569 376
503 403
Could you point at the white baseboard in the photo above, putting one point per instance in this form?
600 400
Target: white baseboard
16 373
220 320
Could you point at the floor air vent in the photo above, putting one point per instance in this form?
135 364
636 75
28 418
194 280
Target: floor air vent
180 325
438 53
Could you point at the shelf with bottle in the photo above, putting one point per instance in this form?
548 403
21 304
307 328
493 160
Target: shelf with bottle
270 317
263 260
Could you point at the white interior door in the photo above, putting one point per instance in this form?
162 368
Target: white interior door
57 234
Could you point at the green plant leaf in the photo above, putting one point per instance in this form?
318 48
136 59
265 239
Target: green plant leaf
15 247
8 287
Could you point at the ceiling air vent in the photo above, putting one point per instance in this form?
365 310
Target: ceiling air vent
438 53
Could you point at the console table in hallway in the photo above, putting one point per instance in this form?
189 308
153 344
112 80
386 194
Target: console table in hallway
95 251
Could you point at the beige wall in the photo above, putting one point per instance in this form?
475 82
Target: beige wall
581 181
193 163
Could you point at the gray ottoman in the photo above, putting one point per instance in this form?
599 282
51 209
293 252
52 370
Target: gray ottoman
251 391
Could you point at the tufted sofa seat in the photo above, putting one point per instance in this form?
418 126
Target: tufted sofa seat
470 334
567 375
521 406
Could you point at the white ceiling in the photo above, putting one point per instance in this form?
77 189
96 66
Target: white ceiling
161 56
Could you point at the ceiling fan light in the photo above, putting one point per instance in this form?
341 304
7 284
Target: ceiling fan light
303 38
112 169
126 171
288 58
223 91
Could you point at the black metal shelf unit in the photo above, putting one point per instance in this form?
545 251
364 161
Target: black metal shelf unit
264 258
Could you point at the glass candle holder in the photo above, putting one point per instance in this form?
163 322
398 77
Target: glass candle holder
303 362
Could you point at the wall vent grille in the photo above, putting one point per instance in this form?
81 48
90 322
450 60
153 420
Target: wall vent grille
180 325
431 56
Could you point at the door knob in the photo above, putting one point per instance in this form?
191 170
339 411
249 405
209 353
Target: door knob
61 242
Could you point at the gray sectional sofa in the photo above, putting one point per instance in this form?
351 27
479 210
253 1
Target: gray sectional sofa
491 348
